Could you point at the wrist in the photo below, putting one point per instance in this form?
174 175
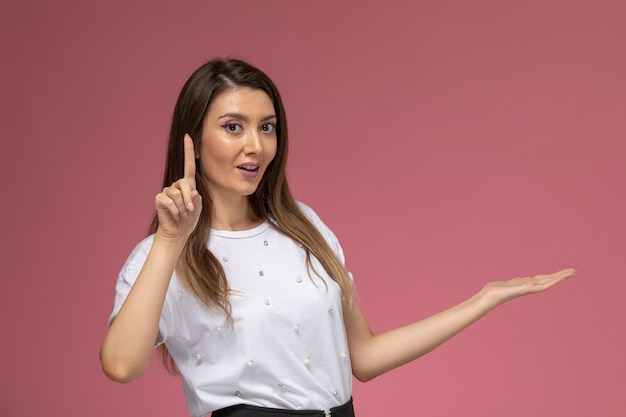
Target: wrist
487 299
169 242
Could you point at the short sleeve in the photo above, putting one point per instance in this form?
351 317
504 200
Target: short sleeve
126 279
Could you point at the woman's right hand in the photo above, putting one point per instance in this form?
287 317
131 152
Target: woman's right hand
179 206
127 347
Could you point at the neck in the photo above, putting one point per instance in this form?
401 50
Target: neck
233 215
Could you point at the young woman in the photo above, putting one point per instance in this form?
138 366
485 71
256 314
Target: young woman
245 289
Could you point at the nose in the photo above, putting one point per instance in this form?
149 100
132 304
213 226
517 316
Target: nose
253 144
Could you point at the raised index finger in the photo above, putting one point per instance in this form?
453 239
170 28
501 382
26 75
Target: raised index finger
190 162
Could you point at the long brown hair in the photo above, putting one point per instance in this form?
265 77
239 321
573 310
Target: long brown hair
198 269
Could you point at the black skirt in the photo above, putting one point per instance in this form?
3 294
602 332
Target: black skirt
346 410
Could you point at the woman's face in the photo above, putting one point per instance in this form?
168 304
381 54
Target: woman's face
238 142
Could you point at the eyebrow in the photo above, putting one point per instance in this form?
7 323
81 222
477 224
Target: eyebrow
245 118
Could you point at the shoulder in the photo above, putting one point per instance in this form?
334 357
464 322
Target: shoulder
319 224
312 216
308 211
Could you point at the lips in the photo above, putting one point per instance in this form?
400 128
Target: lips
250 169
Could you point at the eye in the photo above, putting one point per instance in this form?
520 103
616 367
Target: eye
268 127
232 127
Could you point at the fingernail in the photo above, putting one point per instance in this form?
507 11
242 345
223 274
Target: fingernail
185 215
190 206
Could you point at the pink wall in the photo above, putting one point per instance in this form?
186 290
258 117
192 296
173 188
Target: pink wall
447 143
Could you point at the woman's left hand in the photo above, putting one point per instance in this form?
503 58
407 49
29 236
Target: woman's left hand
499 292
373 354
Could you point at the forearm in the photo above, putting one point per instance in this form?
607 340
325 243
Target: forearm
378 353
127 347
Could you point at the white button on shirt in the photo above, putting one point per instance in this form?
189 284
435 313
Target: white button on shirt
281 330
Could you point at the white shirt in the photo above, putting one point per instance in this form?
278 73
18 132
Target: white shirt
287 346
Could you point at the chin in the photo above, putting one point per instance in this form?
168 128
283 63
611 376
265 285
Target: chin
248 192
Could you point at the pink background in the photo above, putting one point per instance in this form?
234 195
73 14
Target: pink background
447 143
